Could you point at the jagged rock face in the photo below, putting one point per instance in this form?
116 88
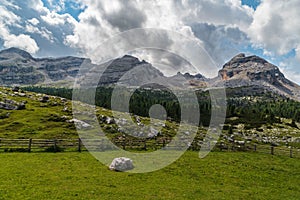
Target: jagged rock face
253 70
61 68
19 67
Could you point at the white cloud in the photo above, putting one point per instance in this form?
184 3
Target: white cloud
41 31
62 5
43 28
11 40
103 19
276 26
223 27
7 17
218 12
221 41
54 19
57 5
21 41
34 21
289 73
10 3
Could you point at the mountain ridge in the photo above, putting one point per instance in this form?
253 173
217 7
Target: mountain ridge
18 67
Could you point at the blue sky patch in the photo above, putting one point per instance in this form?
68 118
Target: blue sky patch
252 3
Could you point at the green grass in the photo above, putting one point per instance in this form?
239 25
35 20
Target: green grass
38 120
218 176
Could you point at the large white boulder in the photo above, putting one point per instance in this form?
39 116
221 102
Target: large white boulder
121 164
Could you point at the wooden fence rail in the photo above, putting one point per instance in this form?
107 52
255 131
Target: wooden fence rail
58 145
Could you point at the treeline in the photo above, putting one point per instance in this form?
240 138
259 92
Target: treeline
260 108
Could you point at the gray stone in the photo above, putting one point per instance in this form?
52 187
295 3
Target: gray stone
153 132
44 99
121 164
80 124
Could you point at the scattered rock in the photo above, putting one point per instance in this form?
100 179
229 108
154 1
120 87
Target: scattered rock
239 142
12 105
80 124
16 89
110 120
65 117
63 100
153 132
138 119
275 144
44 99
21 106
66 109
22 94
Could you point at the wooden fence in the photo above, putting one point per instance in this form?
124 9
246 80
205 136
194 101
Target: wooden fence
266 149
72 145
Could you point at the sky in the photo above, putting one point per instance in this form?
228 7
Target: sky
224 28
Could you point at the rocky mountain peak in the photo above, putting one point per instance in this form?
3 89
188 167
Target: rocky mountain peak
249 67
118 71
239 56
244 70
241 60
190 76
129 59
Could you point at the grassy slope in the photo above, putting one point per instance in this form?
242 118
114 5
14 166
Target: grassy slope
35 121
44 120
218 176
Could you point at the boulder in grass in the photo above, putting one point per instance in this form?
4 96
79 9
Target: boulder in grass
121 164
44 99
15 89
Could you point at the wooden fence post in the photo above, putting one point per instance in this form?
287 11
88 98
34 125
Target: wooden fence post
272 150
55 145
291 152
145 144
124 142
79 145
255 147
29 145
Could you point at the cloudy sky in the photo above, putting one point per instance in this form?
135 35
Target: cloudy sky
268 28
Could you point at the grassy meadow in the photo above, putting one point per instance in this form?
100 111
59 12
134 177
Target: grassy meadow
218 176
73 175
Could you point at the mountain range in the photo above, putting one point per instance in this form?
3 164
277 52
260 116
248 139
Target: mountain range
18 67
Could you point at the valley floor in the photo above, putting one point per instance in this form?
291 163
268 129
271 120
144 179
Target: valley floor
80 176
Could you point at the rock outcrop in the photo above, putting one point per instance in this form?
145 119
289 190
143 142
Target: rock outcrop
8 104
